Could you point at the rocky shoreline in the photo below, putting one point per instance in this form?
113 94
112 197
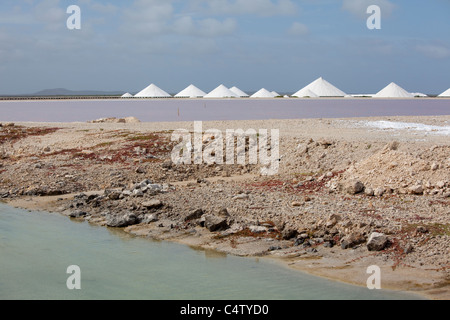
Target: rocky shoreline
345 197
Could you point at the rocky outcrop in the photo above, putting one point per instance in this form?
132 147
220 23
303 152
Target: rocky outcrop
121 220
215 223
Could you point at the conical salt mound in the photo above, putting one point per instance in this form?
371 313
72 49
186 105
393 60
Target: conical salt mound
221 92
275 94
305 93
152 91
239 92
191 92
445 93
392 90
321 88
127 95
263 93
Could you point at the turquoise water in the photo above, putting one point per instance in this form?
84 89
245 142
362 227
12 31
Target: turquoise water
36 248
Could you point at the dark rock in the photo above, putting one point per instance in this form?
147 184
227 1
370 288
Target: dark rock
377 241
352 240
274 248
306 244
140 170
121 220
214 223
78 214
328 244
91 197
167 165
421 229
288 234
196 214
408 248
299 241
114 195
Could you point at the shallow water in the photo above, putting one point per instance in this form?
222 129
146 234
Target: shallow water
36 248
149 110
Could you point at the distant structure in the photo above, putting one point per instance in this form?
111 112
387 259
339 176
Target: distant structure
321 88
239 92
152 91
263 93
393 90
221 92
191 92
316 89
445 94
305 93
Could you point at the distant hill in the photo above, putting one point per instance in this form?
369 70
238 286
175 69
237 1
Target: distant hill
66 92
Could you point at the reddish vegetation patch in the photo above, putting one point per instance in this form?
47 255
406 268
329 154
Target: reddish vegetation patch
272 233
441 202
152 147
14 133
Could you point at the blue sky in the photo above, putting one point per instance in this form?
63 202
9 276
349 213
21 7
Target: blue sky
281 45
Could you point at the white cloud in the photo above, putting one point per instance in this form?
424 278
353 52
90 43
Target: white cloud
255 7
158 17
298 29
434 51
148 16
50 14
359 7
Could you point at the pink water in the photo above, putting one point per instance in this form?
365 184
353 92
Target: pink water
204 110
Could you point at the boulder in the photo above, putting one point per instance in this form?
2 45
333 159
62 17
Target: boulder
196 214
214 223
354 187
333 219
114 195
152 204
121 220
417 190
377 241
352 240
440 184
288 233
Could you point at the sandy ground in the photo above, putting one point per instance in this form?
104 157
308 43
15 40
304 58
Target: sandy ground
308 199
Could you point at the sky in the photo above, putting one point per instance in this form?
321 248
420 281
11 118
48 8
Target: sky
280 45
